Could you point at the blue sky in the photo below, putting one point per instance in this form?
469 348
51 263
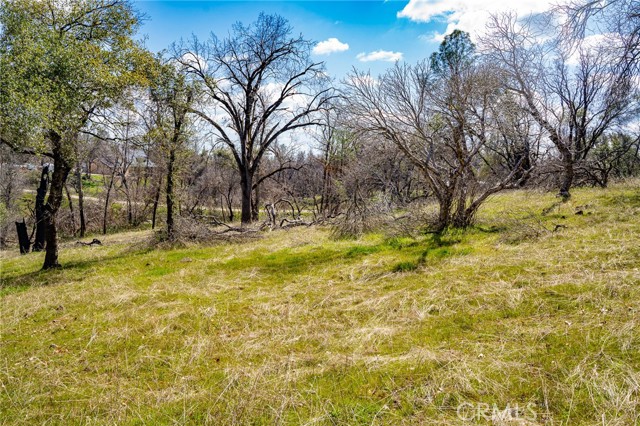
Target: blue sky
366 26
376 32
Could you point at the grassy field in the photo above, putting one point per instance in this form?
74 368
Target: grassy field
296 328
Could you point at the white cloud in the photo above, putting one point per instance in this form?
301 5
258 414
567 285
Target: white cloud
380 55
467 15
433 37
191 59
365 79
590 45
330 45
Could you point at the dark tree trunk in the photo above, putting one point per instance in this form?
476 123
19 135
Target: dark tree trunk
83 224
459 215
246 185
567 176
170 200
230 205
58 179
23 237
156 201
464 216
255 205
444 213
41 226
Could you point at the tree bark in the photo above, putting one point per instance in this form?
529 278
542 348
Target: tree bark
567 175
230 204
83 224
156 201
23 237
73 216
246 185
58 179
444 213
255 204
523 164
170 200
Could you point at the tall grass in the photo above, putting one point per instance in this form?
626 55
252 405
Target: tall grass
298 328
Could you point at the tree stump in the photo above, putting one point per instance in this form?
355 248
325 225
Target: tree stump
23 237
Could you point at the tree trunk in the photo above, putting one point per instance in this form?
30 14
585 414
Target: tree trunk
523 164
230 205
170 224
73 216
83 224
41 226
464 216
127 194
255 205
156 201
326 179
444 213
246 185
23 237
459 216
58 179
567 176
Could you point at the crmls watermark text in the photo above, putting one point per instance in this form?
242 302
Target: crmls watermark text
482 411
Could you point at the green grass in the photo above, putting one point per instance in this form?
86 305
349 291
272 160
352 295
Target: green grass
92 185
296 328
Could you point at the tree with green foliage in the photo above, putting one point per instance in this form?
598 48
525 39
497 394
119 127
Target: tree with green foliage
455 53
62 63
168 126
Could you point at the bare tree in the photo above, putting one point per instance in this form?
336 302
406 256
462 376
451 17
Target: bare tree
619 20
336 146
279 166
440 115
615 155
575 95
260 84
110 161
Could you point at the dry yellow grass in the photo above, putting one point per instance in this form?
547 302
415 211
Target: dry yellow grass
296 328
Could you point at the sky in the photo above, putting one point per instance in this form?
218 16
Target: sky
365 34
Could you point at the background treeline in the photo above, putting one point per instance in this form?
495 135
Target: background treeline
248 132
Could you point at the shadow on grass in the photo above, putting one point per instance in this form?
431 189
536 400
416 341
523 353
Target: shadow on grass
288 262
283 262
622 200
433 249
